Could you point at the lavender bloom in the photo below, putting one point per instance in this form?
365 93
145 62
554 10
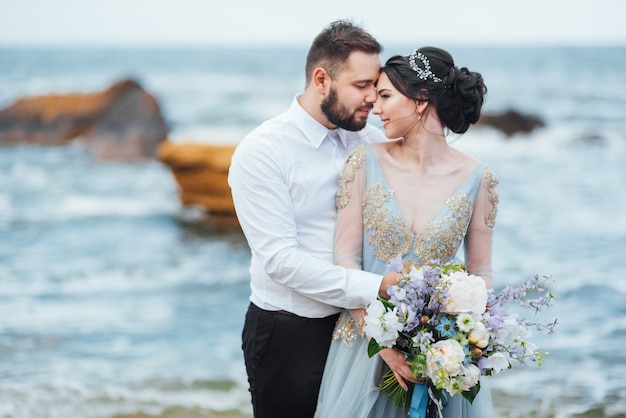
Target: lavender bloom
395 264
423 340
413 323
495 316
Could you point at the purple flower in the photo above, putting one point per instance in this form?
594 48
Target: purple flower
495 316
395 264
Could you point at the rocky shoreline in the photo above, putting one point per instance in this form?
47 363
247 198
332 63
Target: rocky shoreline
124 123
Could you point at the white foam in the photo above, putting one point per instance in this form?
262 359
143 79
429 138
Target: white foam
77 206
62 398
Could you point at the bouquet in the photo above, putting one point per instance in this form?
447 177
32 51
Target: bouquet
452 330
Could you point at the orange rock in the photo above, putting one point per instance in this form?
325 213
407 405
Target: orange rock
201 171
123 122
194 154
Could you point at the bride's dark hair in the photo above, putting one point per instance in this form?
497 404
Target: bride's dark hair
429 74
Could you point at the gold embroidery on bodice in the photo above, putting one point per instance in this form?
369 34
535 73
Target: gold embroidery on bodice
390 235
442 237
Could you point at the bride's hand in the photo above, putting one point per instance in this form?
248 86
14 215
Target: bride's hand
389 279
396 361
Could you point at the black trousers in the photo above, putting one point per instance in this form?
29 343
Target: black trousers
285 356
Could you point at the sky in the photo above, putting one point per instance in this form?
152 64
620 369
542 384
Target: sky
296 22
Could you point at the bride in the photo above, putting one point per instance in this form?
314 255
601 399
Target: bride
415 196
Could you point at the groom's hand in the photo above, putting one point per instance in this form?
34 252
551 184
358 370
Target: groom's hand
389 279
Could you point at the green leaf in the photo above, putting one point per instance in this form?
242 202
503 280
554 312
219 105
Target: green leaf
373 348
388 305
472 392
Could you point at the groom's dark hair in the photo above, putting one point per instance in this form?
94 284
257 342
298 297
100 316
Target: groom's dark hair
333 46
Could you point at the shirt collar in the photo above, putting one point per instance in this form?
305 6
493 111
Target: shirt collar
313 131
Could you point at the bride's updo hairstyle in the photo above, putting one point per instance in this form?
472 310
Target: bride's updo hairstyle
429 74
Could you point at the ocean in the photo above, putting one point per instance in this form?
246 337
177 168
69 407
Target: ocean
116 300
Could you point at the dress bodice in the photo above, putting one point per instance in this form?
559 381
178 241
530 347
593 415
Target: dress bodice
385 230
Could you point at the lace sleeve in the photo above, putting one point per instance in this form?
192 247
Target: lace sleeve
478 242
490 208
349 228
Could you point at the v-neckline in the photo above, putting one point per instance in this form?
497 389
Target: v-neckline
397 205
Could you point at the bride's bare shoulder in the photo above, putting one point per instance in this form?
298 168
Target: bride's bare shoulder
465 162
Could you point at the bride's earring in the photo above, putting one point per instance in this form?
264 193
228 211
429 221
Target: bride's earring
419 115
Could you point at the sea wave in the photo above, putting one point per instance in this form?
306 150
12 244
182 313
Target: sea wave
61 398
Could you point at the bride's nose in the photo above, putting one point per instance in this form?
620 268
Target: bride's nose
376 109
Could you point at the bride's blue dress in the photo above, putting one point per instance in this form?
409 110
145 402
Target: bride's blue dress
350 382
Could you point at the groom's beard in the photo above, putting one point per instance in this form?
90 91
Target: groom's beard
340 115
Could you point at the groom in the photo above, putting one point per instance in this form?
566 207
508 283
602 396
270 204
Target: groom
283 178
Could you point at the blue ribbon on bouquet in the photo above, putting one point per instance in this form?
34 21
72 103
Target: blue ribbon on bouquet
419 401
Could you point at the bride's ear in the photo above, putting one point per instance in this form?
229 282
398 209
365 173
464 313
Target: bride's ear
420 106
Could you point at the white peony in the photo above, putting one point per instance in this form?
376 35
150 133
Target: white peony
479 335
466 293
382 325
446 356
471 376
497 362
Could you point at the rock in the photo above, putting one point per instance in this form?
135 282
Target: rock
49 120
512 122
123 122
201 171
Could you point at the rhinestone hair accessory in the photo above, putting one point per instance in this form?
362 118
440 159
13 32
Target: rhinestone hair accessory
423 73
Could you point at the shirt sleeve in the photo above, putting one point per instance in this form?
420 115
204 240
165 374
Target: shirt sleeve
259 186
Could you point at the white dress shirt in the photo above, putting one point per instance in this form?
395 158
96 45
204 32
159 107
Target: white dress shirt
284 177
